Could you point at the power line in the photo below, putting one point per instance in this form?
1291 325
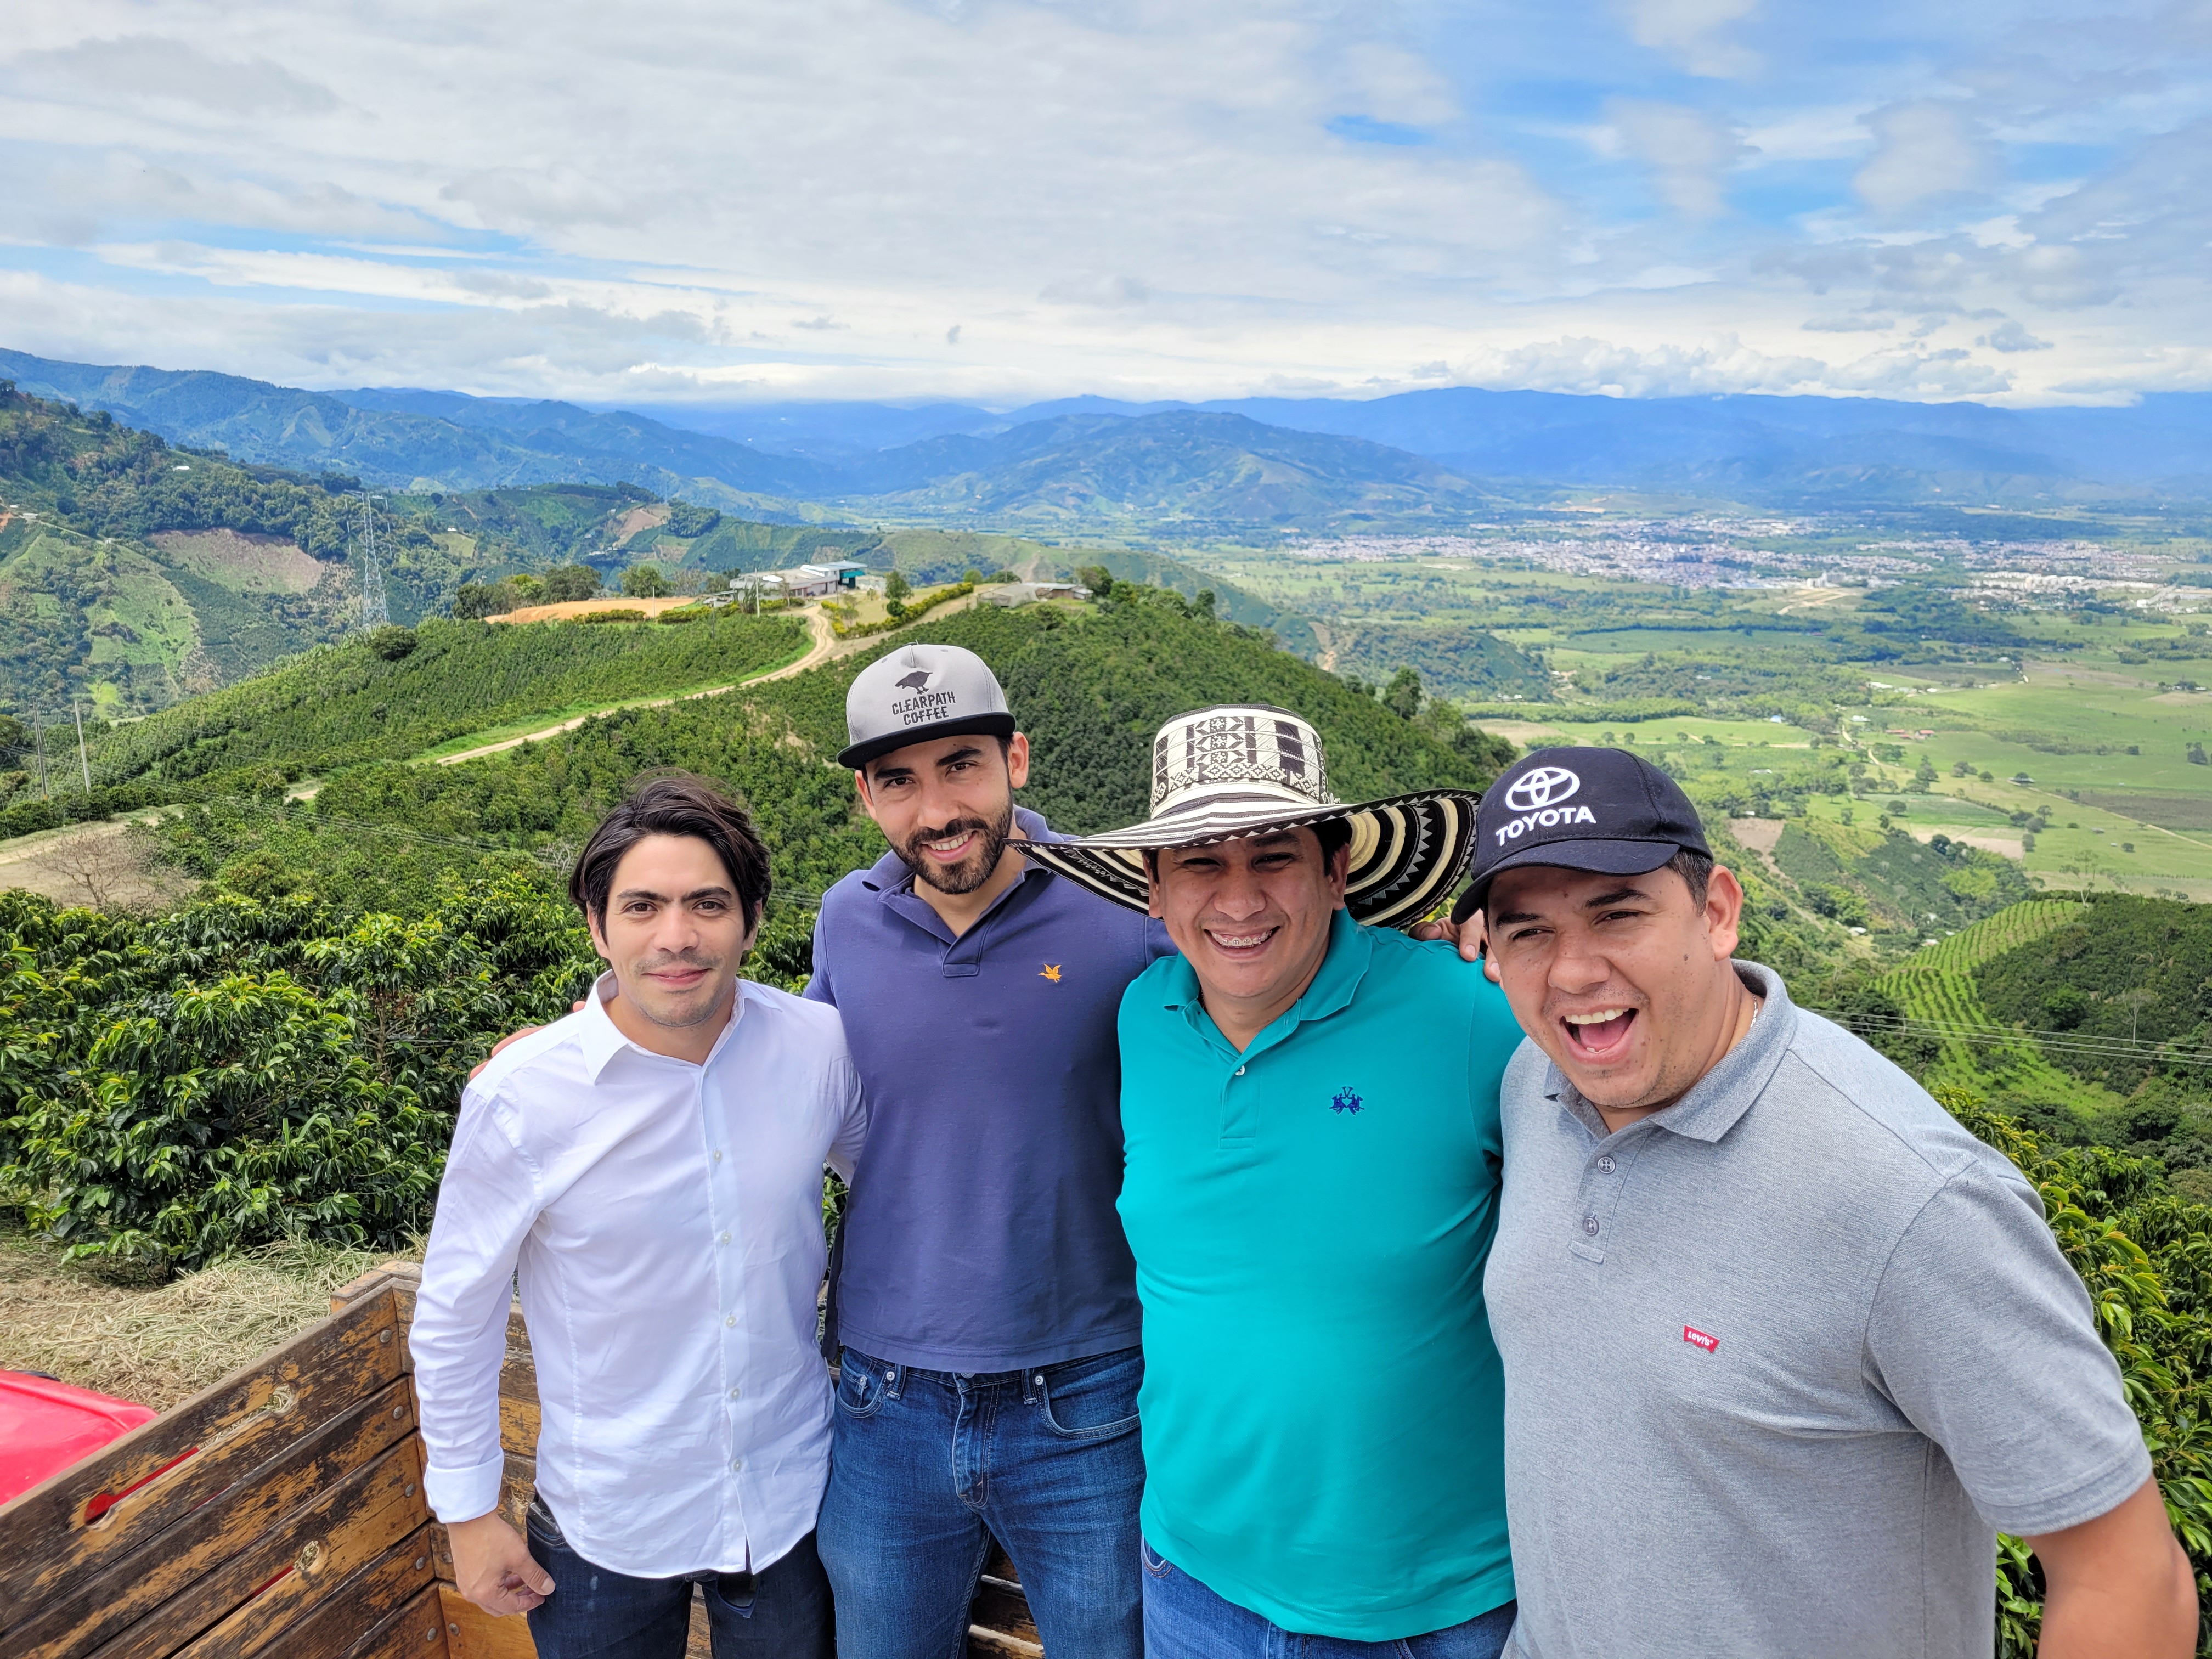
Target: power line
2070 1043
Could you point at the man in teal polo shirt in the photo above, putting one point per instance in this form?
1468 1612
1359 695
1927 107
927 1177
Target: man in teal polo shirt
1309 1108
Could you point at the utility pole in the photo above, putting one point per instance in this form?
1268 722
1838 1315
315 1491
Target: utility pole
38 731
82 762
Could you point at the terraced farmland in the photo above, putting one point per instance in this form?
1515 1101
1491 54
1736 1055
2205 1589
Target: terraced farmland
1936 985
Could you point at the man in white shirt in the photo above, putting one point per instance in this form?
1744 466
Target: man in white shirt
648 1171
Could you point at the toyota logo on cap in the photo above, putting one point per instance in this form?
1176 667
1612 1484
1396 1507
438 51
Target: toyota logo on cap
1541 786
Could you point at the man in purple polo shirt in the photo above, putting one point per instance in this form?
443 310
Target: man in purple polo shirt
984 1305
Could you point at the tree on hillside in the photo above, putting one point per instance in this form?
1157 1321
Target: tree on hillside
1402 697
571 582
896 587
644 581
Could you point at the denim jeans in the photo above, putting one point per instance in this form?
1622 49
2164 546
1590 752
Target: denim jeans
781 1613
926 1468
1183 1620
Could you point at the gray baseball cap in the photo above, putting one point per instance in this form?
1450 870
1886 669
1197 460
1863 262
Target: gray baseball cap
918 693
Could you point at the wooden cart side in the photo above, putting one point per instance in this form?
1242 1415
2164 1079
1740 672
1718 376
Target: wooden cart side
280 1512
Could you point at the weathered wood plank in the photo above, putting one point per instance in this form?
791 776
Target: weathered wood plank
110 1503
417 1631
1001 1607
472 1634
518 1375
326 1622
699 1641
84 1613
252 1596
984 1643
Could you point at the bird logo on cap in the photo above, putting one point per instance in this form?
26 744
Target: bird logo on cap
920 680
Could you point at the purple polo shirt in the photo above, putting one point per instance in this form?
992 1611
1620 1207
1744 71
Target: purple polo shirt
982 1234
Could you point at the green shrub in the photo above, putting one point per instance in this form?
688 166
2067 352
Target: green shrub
2145 1254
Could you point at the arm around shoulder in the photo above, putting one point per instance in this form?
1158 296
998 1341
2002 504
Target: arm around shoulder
2118 1586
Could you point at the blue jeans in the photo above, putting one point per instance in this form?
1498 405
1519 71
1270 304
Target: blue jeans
924 1464
781 1613
1183 1620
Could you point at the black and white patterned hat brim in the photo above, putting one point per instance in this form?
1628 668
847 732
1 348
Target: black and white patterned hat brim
1407 851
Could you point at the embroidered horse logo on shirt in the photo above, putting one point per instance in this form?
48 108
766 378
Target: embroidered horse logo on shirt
1346 1100
1051 972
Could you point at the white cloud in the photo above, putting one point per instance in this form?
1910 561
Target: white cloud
1687 153
1928 151
1689 32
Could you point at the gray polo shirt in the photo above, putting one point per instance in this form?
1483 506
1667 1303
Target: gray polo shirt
1780 1361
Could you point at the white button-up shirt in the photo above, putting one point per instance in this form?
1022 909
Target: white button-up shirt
664 1223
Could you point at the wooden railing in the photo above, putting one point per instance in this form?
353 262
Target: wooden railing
281 1512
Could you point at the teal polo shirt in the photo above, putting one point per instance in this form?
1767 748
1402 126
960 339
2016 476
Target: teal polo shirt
1323 1409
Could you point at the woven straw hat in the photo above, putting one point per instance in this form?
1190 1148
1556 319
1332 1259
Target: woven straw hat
1242 770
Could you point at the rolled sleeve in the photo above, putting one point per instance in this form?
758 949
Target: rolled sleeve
487 1203
1983 1335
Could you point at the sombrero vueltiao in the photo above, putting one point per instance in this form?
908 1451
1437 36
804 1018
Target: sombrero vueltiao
1241 770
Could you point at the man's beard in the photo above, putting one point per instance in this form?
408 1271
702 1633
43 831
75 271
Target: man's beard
972 870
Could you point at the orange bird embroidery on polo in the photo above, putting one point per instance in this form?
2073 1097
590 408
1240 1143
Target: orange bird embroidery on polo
1051 972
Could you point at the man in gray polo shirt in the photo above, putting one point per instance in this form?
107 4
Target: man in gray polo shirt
1784 1345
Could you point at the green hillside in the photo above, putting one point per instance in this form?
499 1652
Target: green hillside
393 695
1090 687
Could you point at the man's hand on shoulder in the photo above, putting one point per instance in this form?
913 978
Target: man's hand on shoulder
1466 935
494 1567
576 1007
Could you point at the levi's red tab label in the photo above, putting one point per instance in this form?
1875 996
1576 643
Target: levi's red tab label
1698 1339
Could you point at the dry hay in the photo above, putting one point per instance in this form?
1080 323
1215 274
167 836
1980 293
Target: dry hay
161 1345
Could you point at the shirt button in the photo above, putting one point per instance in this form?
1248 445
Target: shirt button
1589 1225
736 1463
725 1238
1604 1167
734 1392
1240 1070
717 1157
731 1319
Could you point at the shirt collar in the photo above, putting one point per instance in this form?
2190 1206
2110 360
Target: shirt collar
1724 1094
1343 966
601 1039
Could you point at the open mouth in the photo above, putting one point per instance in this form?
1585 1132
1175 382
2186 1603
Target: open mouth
1599 1036
1240 946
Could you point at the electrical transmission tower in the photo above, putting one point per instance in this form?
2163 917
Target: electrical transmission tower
373 612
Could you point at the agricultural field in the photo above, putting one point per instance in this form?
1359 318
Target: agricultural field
2057 689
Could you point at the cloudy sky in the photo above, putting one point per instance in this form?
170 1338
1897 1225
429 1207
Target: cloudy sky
1002 200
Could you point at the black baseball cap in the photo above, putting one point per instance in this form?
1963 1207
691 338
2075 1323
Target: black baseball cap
1601 810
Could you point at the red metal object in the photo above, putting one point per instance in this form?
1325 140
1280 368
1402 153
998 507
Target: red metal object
45 1426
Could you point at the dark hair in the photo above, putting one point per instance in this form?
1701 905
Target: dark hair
1696 870
673 804
1332 833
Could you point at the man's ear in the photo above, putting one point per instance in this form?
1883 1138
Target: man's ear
1339 873
598 925
1723 911
1017 761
